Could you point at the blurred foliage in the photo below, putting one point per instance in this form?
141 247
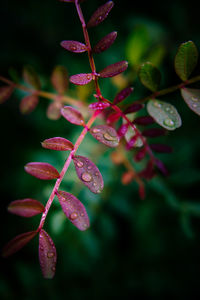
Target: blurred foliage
135 248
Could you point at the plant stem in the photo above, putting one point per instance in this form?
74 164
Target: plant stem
65 168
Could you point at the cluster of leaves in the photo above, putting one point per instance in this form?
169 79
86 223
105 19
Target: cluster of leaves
131 131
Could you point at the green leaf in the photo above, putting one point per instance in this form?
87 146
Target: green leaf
150 76
192 99
165 114
31 77
186 59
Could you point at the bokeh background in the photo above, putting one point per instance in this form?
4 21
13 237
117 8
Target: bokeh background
134 248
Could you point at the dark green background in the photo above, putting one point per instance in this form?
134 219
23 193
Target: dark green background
134 248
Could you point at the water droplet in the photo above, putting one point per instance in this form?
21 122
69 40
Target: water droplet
168 122
167 108
88 77
99 18
85 225
50 254
41 248
79 164
94 184
195 99
108 137
194 105
89 167
82 214
96 130
157 104
73 216
86 177
73 48
96 174
53 268
171 111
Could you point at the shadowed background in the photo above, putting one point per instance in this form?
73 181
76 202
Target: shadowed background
140 248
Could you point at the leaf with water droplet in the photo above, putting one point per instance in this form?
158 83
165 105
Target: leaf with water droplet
41 170
5 92
54 110
192 99
31 77
100 14
186 59
28 104
17 243
131 133
74 210
150 76
165 114
114 69
88 173
72 115
105 134
74 46
59 79
57 143
26 207
99 105
105 42
122 95
81 79
47 255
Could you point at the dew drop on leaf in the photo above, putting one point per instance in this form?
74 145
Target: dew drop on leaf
105 134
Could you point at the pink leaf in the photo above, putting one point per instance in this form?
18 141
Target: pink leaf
113 117
74 46
122 130
154 132
41 170
28 104
26 207
57 143
140 154
17 243
100 14
133 108
160 148
54 110
114 69
123 95
148 172
105 42
99 105
74 210
47 255
106 135
81 79
72 115
144 120
160 165
132 142
88 173
5 92
59 79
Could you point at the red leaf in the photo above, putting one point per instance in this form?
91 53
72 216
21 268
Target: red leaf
59 79
72 115
47 255
5 92
26 207
17 243
54 110
57 143
31 77
148 172
74 46
133 108
114 69
113 117
28 104
41 170
105 42
74 210
161 148
160 165
100 14
132 142
81 79
144 120
142 193
88 173
122 130
106 135
140 154
154 132
123 95
127 177
99 105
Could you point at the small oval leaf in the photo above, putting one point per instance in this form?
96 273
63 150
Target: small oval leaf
150 76
59 79
160 148
47 255
74 210
41 170
114 69
106 135
123 95
54 110
144 120
74 46
153 132
26 207
28 104
81 79
192 99
72 115
58 143
165 114
99 105
133 108
31 77
186 60
122 130
105 42
5 92
140 154
100 14
113 117
88 173
17 243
